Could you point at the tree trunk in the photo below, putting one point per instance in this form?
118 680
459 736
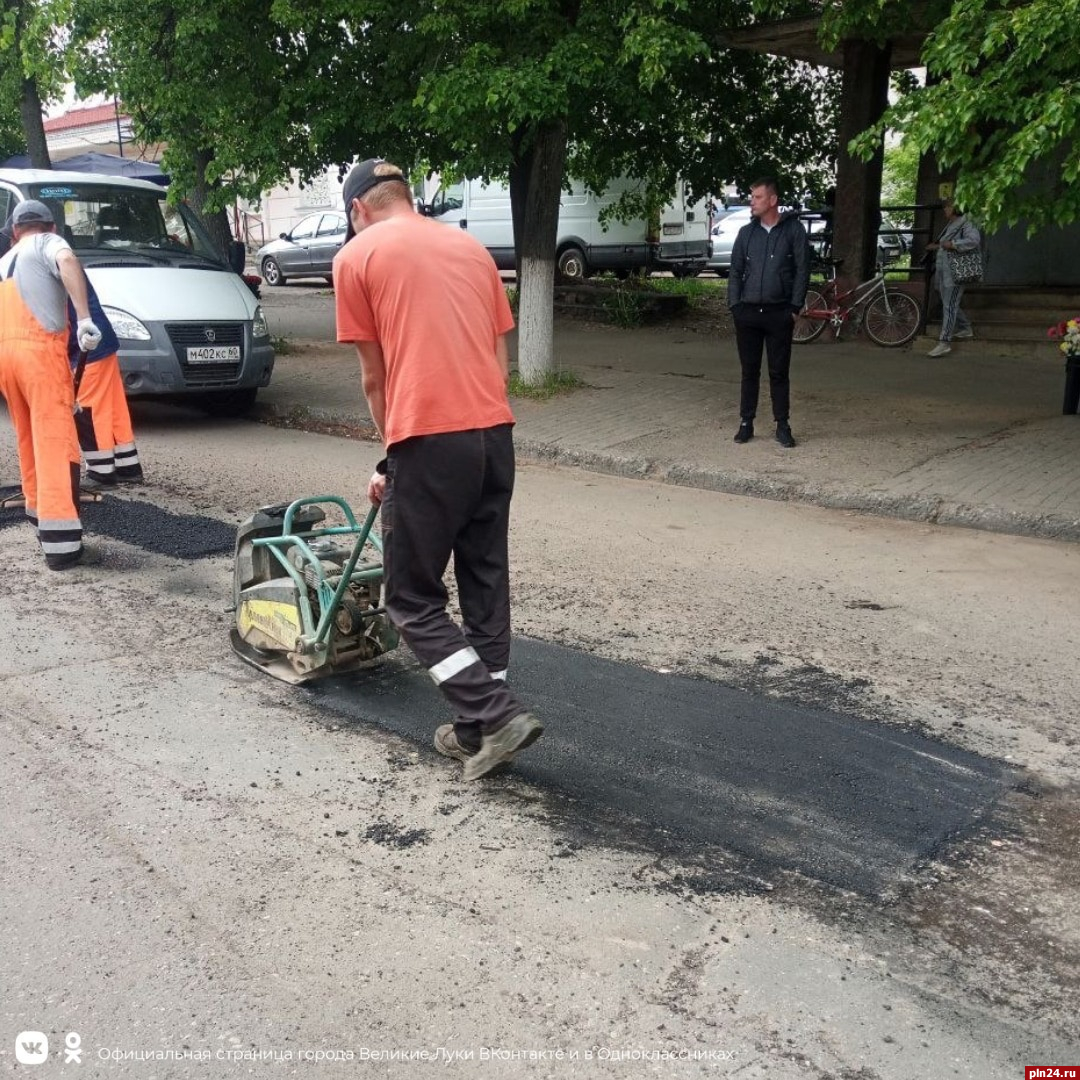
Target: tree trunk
540 172
33 125
520 165
857 218
216 221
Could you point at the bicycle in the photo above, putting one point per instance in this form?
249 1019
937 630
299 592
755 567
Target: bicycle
891 317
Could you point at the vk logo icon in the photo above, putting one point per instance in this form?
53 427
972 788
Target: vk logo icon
31 1047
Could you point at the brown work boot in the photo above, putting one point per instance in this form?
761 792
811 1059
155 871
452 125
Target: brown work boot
446 742
502 745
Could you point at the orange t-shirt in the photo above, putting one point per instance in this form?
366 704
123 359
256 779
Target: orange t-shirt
430 295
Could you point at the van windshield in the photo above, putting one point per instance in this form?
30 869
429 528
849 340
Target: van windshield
102 220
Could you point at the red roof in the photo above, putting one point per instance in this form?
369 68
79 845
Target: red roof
86 117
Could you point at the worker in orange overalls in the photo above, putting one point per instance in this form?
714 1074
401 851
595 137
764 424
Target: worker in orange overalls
103 421
37 277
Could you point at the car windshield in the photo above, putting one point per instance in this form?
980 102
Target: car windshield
100 220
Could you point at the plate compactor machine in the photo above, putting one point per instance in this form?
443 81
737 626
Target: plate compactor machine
306 593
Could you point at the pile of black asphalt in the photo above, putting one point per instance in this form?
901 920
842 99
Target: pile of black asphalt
688 766
144 525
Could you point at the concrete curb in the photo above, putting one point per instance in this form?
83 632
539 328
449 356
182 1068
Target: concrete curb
935 511
877 502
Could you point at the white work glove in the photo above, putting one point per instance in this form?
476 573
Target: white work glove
88 334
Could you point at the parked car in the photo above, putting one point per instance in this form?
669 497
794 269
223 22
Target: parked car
307 250
722 239
586 242
891 245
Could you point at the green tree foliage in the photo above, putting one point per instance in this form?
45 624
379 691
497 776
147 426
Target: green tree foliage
33 51
243 90
898 179
640 86
518 88
1001 108
12 139
208 79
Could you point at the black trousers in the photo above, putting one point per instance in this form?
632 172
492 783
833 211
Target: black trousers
767 327
450 495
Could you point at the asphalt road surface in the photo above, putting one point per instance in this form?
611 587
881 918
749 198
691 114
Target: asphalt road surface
770 832
685 763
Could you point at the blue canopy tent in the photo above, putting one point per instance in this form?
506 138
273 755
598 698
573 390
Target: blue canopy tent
109 164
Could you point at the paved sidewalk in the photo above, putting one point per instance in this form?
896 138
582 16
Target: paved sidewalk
974 438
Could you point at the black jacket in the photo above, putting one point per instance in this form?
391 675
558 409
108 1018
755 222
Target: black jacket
770 266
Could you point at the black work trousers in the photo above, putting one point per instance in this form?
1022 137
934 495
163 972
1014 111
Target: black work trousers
769 327
449 494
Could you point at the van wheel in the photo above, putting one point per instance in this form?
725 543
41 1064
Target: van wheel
572 264
271 272
228 402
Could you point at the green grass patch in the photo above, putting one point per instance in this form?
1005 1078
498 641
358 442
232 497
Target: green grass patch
551 384
698 290
282 346
625 306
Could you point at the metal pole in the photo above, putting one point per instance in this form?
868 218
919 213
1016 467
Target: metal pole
119 133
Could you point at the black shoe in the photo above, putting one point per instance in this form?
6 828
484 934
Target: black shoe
783 434
745 432
85 556
133 477
96 483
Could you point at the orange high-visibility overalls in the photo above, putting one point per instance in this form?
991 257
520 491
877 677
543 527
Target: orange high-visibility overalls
104 425
35 378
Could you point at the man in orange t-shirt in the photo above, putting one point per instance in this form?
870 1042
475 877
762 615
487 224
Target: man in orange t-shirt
425 307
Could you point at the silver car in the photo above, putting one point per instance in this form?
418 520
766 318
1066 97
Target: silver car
722 240
307 250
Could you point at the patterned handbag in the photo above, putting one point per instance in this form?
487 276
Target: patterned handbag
967 267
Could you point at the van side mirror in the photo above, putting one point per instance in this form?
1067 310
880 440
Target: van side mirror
423 208
237 256
283 236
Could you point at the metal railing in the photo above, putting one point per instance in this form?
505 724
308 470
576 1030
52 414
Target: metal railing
249 228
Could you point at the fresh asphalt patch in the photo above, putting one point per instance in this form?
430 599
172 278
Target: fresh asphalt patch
144 525
744 786
694 769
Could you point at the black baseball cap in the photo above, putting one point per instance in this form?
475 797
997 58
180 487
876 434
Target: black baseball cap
359 182
32 212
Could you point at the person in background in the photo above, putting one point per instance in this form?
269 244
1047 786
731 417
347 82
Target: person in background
103 421
37 277
770 273
428 314
960 236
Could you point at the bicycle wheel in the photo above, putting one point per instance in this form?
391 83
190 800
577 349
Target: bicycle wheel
808 327
892 319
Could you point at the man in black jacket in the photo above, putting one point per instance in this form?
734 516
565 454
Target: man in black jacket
770 271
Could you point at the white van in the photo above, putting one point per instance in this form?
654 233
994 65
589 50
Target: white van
584 245
188 325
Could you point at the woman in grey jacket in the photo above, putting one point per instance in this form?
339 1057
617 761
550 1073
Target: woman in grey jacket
960 236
